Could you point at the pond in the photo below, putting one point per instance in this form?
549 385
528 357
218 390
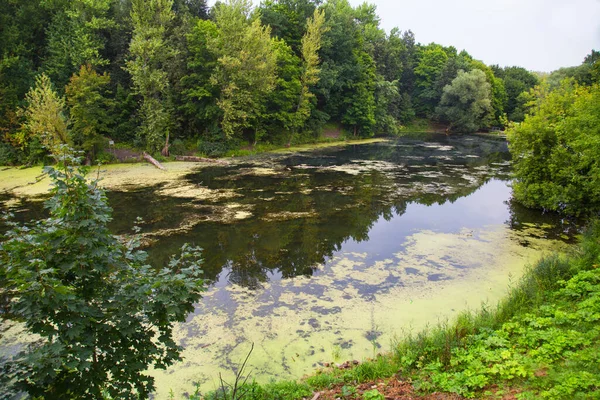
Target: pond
331 255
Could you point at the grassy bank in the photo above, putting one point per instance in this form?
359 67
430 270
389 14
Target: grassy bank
541 341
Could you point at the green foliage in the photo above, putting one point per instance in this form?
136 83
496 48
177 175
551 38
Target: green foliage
360 105
593 60
76 38
556 150
498 95
432 60
245 71
585 74
311 44
517 80
466 103
89 108
44 117
151 53
287 19
198 90
373 394
103 316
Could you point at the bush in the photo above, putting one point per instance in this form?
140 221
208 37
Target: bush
556 151
8 154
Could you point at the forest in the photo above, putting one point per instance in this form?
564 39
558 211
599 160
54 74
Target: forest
170 76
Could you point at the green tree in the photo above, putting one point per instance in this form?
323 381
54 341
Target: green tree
103 316
311 44
76 37
593 60
199 92
466 103
23 26
516 81
282 109
148 69
360 111
497 91
89 109
44 117
288 19
432 60
556 150
245 71
386 94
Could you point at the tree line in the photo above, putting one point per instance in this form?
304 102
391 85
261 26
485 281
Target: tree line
156 73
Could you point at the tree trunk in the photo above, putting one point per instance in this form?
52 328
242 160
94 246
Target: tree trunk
165 150
152 161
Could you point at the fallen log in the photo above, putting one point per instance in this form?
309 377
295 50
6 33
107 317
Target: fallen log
199 159
152 161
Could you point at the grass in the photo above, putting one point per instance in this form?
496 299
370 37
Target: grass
541 341
418 125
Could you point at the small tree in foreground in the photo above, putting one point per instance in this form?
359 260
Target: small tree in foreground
102 314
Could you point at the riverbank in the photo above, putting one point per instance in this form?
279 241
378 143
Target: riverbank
541 341
31 181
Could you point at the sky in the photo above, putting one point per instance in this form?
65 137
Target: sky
540 35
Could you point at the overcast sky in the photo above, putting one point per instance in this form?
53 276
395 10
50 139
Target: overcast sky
540 35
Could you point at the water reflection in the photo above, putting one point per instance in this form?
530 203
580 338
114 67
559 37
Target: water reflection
301 209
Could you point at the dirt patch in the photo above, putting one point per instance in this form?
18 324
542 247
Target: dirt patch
125 155
332 133
391 389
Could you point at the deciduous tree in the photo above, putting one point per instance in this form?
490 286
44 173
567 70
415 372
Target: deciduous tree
466 103
44 117
556 150
150 54
89 109
245 69
102 315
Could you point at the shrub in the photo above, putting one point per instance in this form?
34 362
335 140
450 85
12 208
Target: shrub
102 314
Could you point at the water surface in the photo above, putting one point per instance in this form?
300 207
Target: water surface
328 255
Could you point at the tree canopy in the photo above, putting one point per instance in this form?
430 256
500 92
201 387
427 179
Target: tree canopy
231 75
556 150
466 103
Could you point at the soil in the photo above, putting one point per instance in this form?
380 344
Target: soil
332 133
392 389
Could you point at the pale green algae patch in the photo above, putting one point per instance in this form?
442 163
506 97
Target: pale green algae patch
299 324
315 146
33 182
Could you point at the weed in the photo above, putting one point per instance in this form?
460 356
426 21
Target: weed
373 395
348 391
